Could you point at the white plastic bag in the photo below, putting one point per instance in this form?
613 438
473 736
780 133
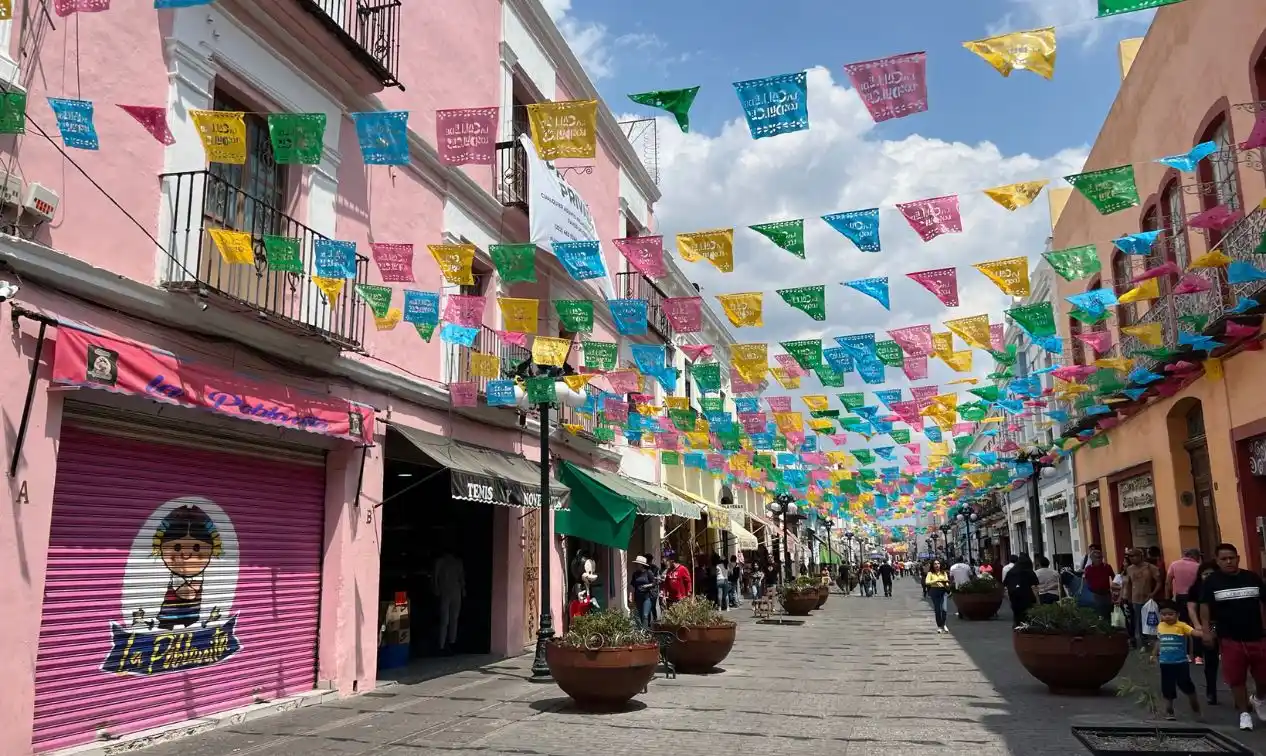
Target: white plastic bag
1118 618
1150 618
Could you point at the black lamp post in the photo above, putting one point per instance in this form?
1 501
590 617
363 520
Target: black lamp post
967 515
1041 469
848 538
784 506
945 531
935 540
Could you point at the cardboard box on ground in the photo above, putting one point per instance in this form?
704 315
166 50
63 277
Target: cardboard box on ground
393 621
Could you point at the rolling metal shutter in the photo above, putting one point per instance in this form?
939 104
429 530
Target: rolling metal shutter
182 581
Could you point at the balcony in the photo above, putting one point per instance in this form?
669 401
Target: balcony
638 286
457 358
511 176
357 40
200 200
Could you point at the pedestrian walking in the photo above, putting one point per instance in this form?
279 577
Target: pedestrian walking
937 583
1142 584
1231 614
653 570
1096 584
885 577
642 592
1170 652
1205 654
676 580
1006 568
721 594
1021 586
1047 582
735 587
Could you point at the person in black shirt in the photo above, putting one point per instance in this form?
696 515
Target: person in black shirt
885 576
1232 613
1204 654
1021 583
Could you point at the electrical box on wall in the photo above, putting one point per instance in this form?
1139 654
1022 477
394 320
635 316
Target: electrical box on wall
10 188
41 201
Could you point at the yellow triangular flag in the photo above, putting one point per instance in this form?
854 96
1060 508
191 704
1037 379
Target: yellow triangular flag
1016 196
1149 289
1148 333
1010 274
743 310
519 315
786 379
578 382
550 351
943 345
234 246
223 135
959 381
816 402
677 402
331 287
567 129
974 330
572 428
1032 50
456 262
485 365
1115 363
1213 368
717 247
960 362
1214 259
390 320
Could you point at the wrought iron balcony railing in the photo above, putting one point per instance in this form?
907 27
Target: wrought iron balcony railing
457 358
369 29
198 201
510 182
638 286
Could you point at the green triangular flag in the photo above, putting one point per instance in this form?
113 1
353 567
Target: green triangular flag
1261 245
852 401
1088 318
1110 190
901 435
1098 441
13 113
426 330
575 315
675 101
377 297
599 355
707 377
1158 353
516 263
1037 319
1117 7
542 390
988 393
889 353
807 352
787 234
1196 323
829 376
297 138
865 456
1006 357
811 300
282 254
1075 263
671 458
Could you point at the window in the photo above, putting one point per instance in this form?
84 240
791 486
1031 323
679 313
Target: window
1218 174
1079 349
1121 275
247 197
1174 215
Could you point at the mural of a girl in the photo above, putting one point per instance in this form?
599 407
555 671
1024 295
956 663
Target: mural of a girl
186 540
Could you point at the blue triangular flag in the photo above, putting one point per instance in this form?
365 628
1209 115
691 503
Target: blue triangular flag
1240 272
876 288
1186 162
1137 244
860 226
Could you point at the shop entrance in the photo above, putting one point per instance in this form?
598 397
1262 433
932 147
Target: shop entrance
433 546
1202 480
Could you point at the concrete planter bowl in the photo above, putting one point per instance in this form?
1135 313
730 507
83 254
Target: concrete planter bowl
695 650
1072 664
800 603
823 594
602 679
978 606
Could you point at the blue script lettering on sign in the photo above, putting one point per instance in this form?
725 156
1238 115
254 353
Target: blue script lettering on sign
146 653
224 401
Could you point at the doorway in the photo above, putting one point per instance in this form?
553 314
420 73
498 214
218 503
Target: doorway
1202 480
420 522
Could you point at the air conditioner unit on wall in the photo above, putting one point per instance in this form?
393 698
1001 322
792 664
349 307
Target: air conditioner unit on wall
40 201
10 188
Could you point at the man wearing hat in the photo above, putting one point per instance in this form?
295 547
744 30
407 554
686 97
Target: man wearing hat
642 591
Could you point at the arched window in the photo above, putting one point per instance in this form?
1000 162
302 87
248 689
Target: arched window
1122 272
1174 221
1259 83
1219 174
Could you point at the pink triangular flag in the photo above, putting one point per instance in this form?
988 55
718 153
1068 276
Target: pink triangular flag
1192 284
914 448
779 403
839 439
64 8
645 254
684 313
1100 341
943 282
1182 366
154 119
1008 446
697 352
1239 330
924 393
1073 372
915 341
1218 218
933 217
1167 269
517 339
1257 139
997 337
915 368
1109 422
790 365
913 459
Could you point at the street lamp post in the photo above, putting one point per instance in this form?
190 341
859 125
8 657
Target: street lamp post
784 506
1041 469
935 540
967 516
848 539
945 531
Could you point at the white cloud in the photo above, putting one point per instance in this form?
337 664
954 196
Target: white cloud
1073 19
593 43
731 180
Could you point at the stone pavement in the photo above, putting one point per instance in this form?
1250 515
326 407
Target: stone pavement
863 676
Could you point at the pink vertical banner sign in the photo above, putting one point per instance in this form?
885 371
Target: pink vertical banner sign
645 254
466 136
943 282
684 313
915 368
932 217
394 261
790 365
464 310
779 403
154 119
915 341
997 337
891 87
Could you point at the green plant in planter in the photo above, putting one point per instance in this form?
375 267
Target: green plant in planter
1066 618
979 584
802 584
694 611
609 628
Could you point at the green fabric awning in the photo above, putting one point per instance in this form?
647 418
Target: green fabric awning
826 556
604 506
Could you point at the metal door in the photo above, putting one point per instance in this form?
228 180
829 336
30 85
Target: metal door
182 581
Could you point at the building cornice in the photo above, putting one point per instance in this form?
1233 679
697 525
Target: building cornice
543 28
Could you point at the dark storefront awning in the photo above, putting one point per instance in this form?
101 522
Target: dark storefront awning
605 505
485 475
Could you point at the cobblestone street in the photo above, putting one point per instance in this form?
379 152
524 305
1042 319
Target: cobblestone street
863 676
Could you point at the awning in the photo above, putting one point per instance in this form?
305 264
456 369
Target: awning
485 475
745 539
604 506
716 513
680 507
766 524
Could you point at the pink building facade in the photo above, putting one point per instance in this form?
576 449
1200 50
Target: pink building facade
220 483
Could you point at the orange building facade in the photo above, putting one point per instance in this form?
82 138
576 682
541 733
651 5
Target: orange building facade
1186 465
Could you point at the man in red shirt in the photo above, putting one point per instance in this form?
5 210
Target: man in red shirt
1097 579
676 580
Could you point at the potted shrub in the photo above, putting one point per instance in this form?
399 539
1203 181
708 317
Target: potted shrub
978 598
1071 649
603 661
703 637
800 596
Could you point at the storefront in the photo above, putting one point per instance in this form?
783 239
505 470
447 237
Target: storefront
1019 528
1251 459
1059 530
185 548
1136 502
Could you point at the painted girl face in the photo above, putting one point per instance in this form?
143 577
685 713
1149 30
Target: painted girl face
186 557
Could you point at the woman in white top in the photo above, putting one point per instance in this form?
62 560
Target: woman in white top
1047 582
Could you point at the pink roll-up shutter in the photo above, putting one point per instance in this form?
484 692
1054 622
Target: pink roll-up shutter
182 581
